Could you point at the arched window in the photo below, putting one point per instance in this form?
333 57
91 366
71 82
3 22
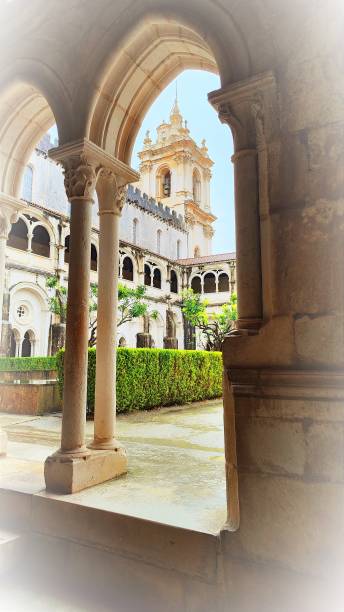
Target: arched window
27 184
196 186
135 228
209 283
196 285
158 240
223 282
18 236
27 345
178 249
174 282
94 258
40 244
122 342
157 278
165 190
66 249
127 269
197 252
148 275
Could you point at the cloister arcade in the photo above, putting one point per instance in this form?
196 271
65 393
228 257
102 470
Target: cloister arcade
281 82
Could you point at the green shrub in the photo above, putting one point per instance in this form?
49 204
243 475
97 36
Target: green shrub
148 378
26 364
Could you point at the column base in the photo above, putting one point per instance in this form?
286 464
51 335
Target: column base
110 444
3 443
65 474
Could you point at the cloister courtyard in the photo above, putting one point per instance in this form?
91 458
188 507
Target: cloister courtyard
175 473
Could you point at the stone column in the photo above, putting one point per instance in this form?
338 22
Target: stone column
74 466
111 199
249 282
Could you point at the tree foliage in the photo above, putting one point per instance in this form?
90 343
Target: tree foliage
131 304
213 326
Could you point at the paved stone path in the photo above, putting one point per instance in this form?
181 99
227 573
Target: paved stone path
176 464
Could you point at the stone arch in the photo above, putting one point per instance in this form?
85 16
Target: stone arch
174 282
28 344
196 284
163 182
35 317
40 243
209 282
223 282
151 49
14 343
31 101
157 278
18 237
127 268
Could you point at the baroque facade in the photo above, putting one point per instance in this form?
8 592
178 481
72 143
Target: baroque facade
165 244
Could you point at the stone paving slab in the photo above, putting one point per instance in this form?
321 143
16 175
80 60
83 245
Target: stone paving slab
176 465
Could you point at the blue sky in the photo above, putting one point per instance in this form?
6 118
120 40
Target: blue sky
193 87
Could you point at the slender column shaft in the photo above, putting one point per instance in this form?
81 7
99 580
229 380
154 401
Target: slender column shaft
248 258
105 397
75 371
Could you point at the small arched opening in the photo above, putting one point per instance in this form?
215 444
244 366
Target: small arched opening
40 244
223 284
128 269
196 284
94 258
18 236
174 282
197 252
164 183
122 342
157 278
148 275
27 344
209 283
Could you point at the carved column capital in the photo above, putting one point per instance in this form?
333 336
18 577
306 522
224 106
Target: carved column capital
87 167
9 213
80 177
249 108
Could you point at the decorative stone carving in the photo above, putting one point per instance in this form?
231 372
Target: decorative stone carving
80 177
190 219
208 231
7 218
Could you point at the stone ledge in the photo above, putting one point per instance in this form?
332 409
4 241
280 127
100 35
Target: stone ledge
66 475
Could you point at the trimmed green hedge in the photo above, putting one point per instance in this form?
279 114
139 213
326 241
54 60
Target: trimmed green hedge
148 378
26 364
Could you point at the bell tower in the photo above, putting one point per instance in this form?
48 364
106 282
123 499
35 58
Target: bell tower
177 172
